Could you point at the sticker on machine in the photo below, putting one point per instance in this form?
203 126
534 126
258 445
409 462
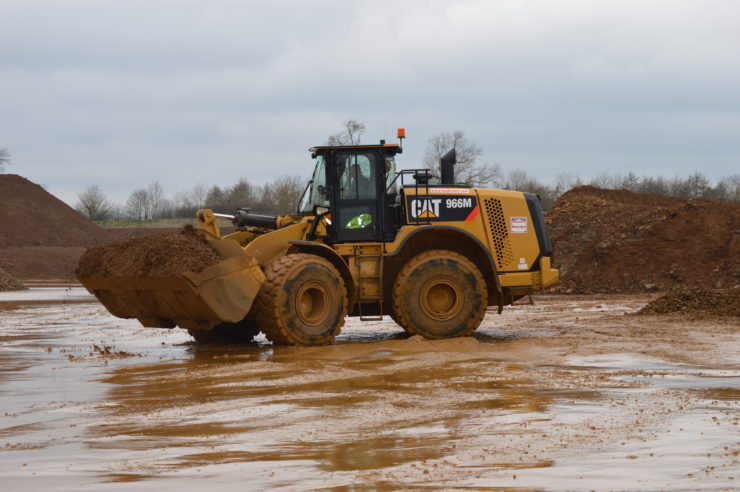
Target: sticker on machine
446 191
518 225
441 208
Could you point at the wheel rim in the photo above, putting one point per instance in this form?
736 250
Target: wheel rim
312 303
441 299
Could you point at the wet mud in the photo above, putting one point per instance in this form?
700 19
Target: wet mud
156 255
573 392
8 282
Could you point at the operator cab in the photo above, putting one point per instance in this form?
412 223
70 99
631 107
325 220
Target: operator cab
358 185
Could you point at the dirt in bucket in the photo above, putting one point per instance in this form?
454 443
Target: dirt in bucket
155 255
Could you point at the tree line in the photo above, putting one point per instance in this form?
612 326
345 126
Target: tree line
277 197
471 170
695 185
281 195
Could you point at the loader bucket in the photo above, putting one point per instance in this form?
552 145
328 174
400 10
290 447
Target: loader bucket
222 292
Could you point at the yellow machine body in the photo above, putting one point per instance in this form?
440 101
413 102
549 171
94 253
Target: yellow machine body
497 235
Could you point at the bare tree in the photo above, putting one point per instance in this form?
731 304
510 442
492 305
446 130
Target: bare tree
242 194
138 204
658 186
630 181
198 195
606 180
4 158
467 152
281 195
217 198
564 182
350 134
182 204
155 194
166 208
728 189
698 185
519 180
94 204
186 203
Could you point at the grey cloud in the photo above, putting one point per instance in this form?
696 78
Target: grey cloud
124 93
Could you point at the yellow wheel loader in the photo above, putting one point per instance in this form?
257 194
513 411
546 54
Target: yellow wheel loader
366 241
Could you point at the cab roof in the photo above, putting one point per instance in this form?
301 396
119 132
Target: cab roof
389 148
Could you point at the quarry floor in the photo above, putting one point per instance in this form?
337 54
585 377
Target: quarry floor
569 393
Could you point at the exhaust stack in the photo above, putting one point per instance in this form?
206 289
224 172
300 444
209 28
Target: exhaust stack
447 167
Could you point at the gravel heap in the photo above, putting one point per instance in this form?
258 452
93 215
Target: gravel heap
624 242
155 255
8 282
696 301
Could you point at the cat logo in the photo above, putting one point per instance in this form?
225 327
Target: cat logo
441 208
427 208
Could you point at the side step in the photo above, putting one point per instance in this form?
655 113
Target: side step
370 283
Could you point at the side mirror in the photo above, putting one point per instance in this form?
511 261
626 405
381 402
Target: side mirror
320 211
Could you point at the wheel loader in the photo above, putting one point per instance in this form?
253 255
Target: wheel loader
367 240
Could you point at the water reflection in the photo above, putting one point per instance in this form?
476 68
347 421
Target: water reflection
343 407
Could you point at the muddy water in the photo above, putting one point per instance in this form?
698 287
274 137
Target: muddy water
570 393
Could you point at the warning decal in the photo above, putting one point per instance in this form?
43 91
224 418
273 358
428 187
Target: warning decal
518 225
447 191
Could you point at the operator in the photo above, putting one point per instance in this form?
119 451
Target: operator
359 184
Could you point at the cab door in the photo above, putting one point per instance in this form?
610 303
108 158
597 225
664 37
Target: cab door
357 190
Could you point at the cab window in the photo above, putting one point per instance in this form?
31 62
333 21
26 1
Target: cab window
357 180
316 192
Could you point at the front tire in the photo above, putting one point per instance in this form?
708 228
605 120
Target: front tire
302 302
440 294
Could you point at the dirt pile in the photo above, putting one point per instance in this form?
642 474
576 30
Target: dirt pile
696 301
619 241
41 236
155 255
8 282
31 216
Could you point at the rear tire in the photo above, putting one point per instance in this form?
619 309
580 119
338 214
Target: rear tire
440 294
242 331
302 302
396 320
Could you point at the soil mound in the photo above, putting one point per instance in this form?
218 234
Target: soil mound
7 282
155 255
31 216
620 241
696 301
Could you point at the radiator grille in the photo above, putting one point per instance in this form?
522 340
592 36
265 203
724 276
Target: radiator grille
499 232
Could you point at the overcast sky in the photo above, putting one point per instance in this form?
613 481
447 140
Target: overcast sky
124 93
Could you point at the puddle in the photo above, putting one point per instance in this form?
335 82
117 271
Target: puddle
46 295
93 402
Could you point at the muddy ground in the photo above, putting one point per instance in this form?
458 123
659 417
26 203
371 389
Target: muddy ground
573 392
